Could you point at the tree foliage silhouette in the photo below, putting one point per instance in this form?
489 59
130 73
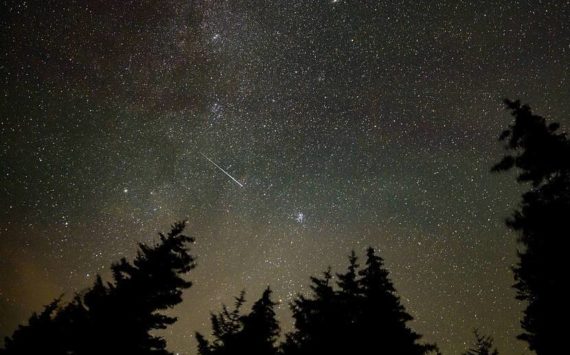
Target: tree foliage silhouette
40 333
483 345
316 319
363 315
225 326
115 317
541 156
234 334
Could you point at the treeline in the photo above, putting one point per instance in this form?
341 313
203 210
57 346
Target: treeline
358 313
115 317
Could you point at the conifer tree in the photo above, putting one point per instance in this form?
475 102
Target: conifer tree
363 316
349 300
348 282
541 156
225 327
315 319
234 334
483 345
260 328
39 334
117 317
384 317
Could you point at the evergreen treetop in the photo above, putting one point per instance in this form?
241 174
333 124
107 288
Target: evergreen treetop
541 156
116 317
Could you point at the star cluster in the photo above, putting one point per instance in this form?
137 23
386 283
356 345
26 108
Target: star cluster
348 123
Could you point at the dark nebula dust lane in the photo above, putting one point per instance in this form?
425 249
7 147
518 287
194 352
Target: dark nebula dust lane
327 126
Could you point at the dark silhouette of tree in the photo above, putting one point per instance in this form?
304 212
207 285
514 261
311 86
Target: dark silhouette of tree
117 317
40 334
225 326
363 316
348 283
483 345
541 156
349 302
384 317
316 320
260 328
255 333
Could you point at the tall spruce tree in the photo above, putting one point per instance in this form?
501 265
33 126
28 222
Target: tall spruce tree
117 317
260 328
541 156
349 308
40 334
255 333
315 319
225 327
363 316
348 282
384 317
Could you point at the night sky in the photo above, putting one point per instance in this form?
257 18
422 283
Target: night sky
348 124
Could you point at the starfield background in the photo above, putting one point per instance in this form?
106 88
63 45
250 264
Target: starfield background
287 133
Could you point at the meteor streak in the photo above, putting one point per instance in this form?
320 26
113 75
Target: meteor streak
225 172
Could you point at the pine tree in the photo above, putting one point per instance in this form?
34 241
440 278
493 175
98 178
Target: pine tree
260 328
348 282
235 334
117 317
225 327
315 320
39 334
483 345
364 316
384 317
541 155
349 302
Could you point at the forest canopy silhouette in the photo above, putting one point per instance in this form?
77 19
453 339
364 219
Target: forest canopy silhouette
540 154
115 317
357 311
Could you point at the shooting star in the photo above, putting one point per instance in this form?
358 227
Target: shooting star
225 172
